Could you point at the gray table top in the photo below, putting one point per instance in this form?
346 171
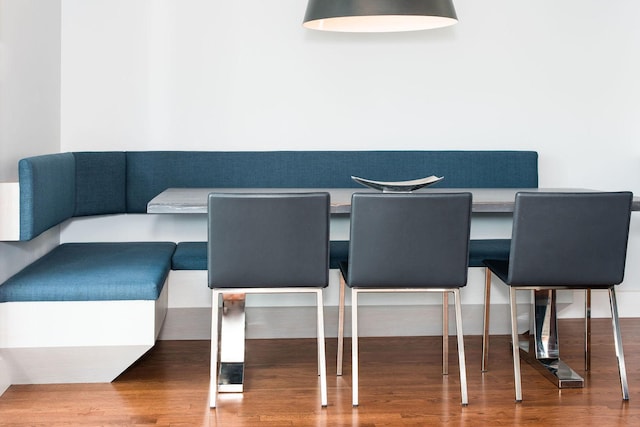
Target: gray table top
488 200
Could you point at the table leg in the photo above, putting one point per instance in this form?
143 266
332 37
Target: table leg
232 333
542 349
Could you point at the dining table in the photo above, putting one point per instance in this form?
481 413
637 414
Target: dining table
540 348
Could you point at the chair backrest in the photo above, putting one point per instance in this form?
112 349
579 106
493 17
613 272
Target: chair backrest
569 239
268 240
415 240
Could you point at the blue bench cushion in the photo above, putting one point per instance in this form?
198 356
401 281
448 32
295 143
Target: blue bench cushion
190 256
338 252
193 255
482 249
92 272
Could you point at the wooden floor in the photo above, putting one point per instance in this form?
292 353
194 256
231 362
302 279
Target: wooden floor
400 384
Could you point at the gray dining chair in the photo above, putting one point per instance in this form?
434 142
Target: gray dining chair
408 243
479 250
569 241
268 243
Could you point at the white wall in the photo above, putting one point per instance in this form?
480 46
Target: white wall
560 78
29 109
556 77
29 81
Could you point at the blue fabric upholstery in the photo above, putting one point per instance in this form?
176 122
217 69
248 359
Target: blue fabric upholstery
483 249
190 256
338 252
193 255
47 192
151 172
93 272
101 183
56 187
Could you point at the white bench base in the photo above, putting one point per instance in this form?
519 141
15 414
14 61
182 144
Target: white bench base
77 341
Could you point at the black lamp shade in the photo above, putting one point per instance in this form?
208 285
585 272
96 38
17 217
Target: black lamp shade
379 15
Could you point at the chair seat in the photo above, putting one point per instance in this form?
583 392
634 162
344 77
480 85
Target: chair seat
501 269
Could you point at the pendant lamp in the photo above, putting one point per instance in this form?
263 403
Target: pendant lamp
378 16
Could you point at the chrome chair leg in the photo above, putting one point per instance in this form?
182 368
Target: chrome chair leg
461 357
617 338
354 346
515 344
587 329
340 326
485 325
445 333
213 384
321 348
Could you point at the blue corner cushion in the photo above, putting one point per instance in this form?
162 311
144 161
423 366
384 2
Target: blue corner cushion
93 272
193 255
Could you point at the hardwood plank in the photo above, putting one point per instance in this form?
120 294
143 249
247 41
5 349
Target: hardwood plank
401 384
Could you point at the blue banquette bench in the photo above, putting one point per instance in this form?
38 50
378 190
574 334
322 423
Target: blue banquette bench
57 187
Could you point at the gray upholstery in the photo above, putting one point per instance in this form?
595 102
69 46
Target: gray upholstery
568 239
268 240
409 240
564 240
415 242
268 243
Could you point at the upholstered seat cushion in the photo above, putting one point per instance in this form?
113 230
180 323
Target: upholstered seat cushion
338 252
193 255
92 272
482 249
190 256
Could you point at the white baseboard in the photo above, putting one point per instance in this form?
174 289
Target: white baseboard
299 322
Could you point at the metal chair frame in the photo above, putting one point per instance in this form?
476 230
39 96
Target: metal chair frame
264 243
354 334
445 329
615 322
546 348
391 219
215 333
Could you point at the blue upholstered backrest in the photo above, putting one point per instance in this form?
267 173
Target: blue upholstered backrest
101 183
56 187
151 172
47 192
